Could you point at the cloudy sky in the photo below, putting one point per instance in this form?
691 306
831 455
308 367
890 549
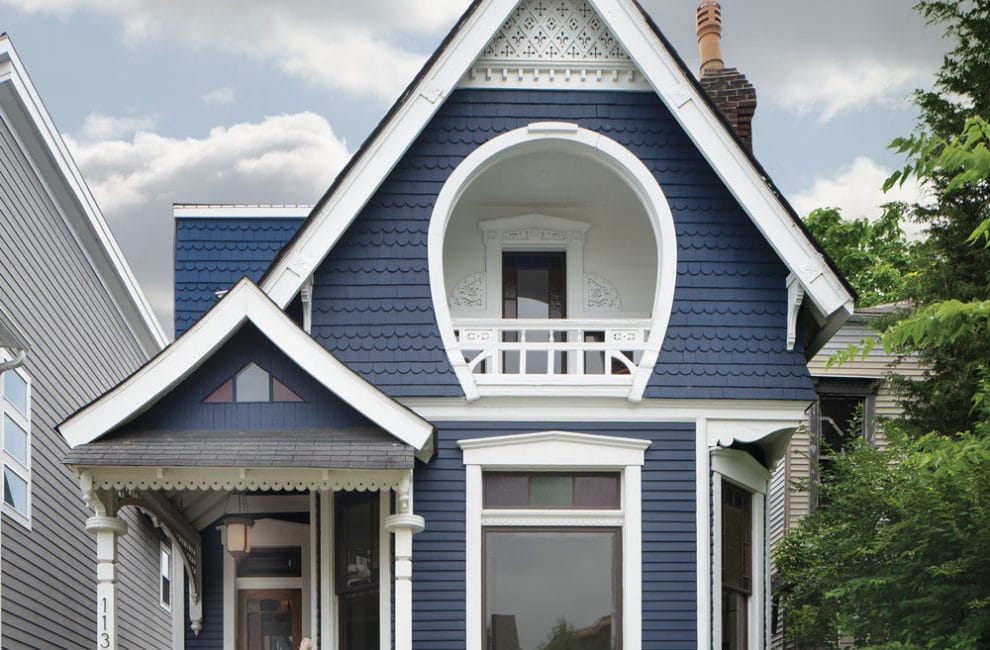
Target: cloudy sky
254 101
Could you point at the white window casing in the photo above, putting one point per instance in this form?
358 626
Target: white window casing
166 576
15 426
742 470
565 452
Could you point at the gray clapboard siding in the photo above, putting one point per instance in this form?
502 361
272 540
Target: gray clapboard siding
80 346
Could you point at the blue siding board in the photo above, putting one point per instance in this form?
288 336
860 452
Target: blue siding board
213 254
377 276
183 408
669 531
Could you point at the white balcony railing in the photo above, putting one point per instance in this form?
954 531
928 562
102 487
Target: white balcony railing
550 351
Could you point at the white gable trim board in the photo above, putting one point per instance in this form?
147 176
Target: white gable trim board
18 97
830 300
245 302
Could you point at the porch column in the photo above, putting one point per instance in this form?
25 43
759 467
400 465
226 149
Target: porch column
404 525
106 529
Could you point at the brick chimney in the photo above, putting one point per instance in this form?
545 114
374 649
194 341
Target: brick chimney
728 88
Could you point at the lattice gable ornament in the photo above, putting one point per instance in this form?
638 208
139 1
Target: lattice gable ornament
555 44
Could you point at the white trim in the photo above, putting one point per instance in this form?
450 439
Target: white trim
557 450
668 79
328 618
558 136
384 572
705 552
241 211
16 79
314 563
737 414
741 469
23 470
179 605
245 303
110 477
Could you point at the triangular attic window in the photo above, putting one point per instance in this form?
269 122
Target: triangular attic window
252 384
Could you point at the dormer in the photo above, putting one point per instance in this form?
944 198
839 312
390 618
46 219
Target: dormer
553 262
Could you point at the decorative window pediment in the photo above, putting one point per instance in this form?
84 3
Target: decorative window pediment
252 384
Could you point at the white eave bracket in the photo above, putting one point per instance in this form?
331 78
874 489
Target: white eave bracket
795 298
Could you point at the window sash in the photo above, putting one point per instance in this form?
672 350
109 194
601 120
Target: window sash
15 450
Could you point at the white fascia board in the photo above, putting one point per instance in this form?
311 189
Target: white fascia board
604 409
12 72
660 68
245 302
233 211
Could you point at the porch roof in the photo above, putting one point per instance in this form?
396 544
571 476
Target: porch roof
351 448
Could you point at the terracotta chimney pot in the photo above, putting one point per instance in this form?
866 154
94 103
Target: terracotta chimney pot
710 36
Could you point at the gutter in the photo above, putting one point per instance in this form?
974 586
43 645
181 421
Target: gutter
16 362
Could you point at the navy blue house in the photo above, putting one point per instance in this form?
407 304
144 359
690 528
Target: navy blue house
515 383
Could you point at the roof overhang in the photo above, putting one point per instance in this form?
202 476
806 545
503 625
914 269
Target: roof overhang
244 303
830 297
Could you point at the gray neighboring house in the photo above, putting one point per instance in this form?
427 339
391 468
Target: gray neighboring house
68 298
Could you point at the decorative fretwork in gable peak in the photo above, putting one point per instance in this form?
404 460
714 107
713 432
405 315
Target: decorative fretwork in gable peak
554 44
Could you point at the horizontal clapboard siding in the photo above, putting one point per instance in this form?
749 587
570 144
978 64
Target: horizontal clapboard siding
80 346
669 534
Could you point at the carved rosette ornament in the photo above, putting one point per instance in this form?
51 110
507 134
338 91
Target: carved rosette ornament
470 293
600 294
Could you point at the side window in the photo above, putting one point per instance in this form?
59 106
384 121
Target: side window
15 424
844 412
165 575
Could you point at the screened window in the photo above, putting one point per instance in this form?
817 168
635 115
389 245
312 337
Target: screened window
15 426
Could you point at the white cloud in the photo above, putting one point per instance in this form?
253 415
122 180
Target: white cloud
219 97
351 46
831 87
98 126
856 191
135 179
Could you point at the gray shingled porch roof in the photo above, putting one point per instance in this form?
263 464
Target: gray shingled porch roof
350 448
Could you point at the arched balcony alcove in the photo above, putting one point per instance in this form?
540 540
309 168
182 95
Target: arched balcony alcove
552 261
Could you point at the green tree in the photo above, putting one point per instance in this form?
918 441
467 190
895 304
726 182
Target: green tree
899 559
875 256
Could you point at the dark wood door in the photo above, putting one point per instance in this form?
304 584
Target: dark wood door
269 619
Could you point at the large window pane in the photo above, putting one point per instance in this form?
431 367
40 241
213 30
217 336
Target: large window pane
15 490
552 589
15 440
15 390
737 570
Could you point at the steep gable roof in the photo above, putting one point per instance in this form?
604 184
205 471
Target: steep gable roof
244 303
22 106
830 297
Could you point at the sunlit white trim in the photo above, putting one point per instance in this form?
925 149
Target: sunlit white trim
564 137
740 468
556 450
241 211
68 189
245 303
664 74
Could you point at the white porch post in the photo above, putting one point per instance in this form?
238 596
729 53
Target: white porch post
404 525
106 529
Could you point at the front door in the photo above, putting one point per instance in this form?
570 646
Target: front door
269 619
